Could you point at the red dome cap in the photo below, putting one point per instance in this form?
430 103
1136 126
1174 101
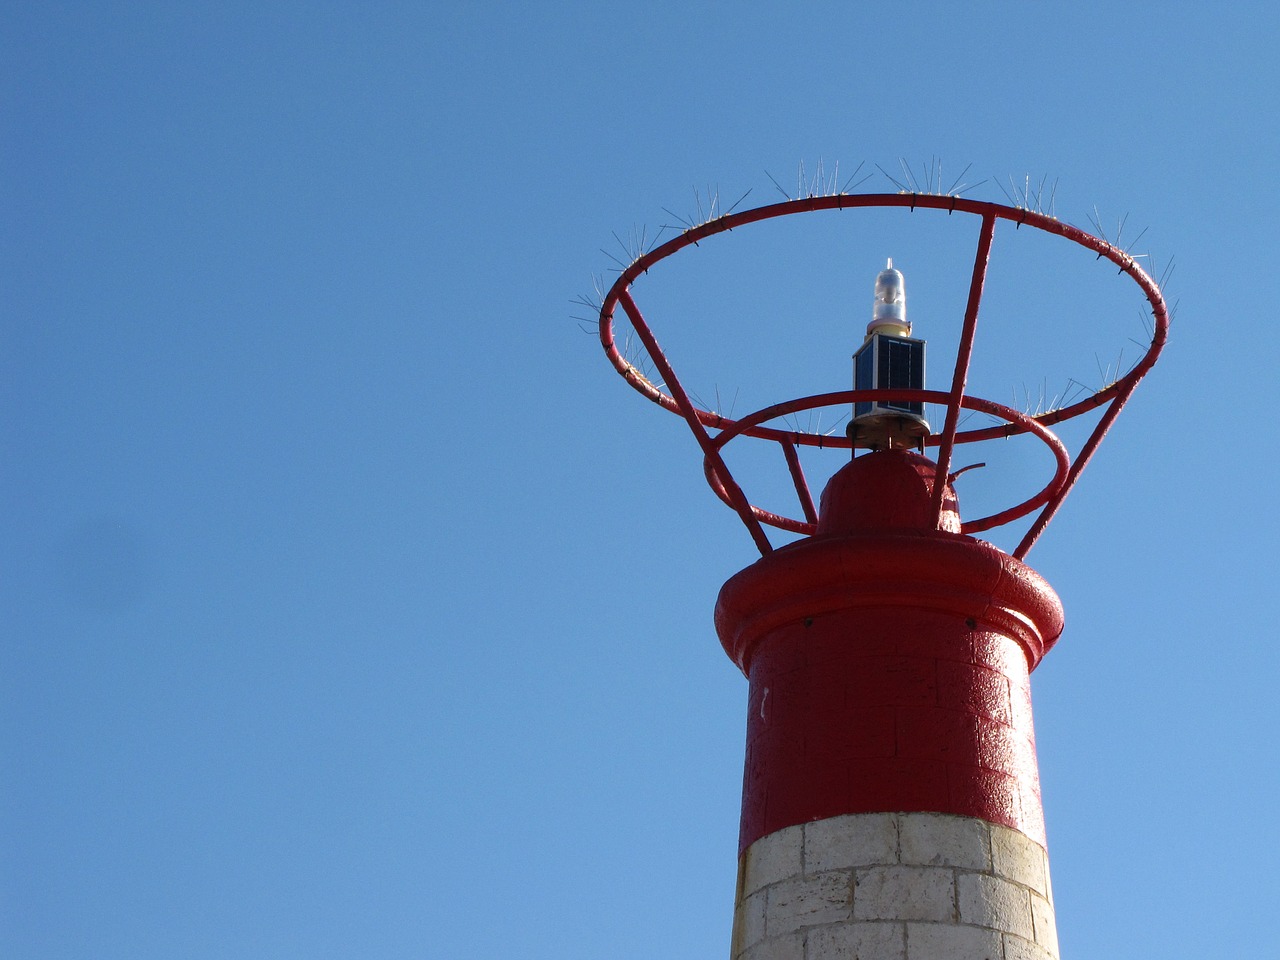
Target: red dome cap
886 490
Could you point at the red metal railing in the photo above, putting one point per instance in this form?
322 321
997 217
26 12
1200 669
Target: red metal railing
1048 500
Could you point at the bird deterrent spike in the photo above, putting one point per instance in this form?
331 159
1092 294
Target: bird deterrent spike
845 188
736 202
778 185
900 187
956 182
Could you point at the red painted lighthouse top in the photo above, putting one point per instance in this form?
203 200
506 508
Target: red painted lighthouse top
889 661
889 491
876 546
713 430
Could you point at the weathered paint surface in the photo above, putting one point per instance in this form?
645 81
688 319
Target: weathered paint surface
888 664
894 886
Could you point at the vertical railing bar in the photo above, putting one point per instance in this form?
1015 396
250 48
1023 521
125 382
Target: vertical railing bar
963 355
690 413
1077 468
797 477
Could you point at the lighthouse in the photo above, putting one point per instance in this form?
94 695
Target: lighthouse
891 805
891 801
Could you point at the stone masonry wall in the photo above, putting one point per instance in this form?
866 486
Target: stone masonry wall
894 886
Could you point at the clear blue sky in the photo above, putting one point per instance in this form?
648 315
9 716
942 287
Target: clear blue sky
353 607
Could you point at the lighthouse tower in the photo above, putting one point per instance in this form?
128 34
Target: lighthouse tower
891 800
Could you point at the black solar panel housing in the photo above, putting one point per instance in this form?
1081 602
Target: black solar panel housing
888 362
